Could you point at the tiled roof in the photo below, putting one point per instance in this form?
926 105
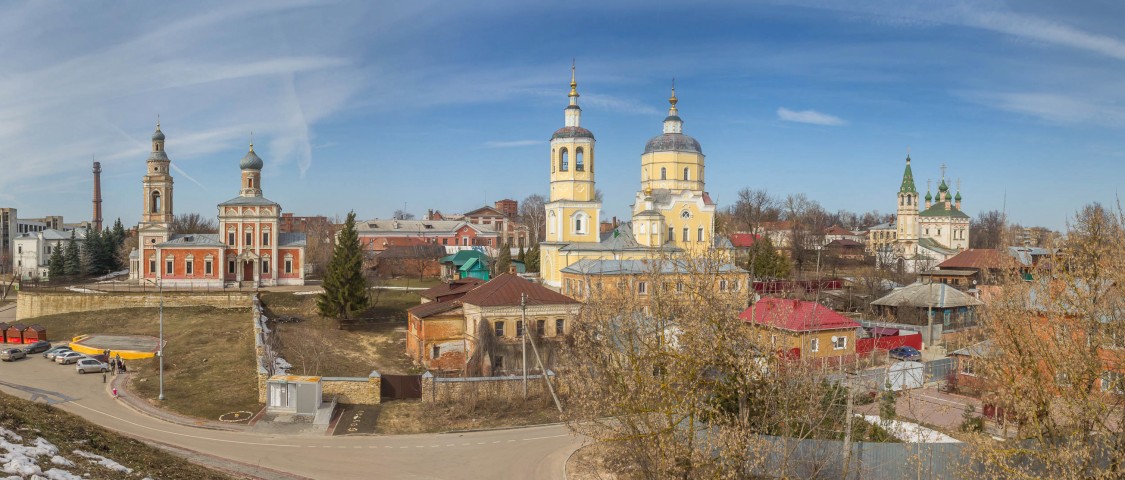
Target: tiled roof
505 290
980 258
432 308
795 315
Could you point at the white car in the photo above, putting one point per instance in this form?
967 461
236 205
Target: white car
68 358
87 365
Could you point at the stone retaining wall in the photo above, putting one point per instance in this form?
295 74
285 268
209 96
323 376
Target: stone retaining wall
456 389
353 390
31 304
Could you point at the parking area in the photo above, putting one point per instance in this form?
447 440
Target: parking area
34 378
356 420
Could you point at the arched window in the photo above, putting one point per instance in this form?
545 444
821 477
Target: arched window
564 160
581 222
908 199
663 173
250 183
156 202
579 162
686 174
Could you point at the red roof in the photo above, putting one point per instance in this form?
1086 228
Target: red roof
506 289
432 308
844 242
795 315
837 230
743 240
452 290
980 258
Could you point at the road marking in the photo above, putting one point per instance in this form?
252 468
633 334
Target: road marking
183 434
939 400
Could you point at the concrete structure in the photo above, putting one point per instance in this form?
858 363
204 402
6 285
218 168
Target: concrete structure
31 303
249 249
97 218
672 213
7 235
33 250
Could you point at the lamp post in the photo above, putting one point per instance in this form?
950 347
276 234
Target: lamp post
160 347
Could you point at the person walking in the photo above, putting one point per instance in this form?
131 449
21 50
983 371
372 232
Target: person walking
114 392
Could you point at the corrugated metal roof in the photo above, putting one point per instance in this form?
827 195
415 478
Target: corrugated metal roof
236 201
795 316
590 266
506 289
979 258
937 295
433 308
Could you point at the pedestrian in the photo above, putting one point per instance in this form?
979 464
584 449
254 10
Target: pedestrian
103 376
113 366
114 392
122 367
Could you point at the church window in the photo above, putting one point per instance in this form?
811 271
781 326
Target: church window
579 161
189 266
564 160
663 173
156 202
686 176
249 239
230 267
499 328
699 235
230 238
580 222
908 200
685 235
288 264
671 234
266 265
437 352
152 265
643 228
168 264
207 267
939 232
265 239
464 241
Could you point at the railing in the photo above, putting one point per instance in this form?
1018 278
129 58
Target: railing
93 287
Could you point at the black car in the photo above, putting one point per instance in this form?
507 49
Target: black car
38 347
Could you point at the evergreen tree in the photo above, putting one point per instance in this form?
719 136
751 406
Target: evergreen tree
56 266
522 257
71 260
531 260
504 260
345 288
764 261
98 259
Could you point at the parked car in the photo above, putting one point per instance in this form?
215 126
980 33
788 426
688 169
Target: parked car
12 354
68 358
906 353
37 347
87 365
49 353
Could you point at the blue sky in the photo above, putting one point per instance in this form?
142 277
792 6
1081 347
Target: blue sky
374 106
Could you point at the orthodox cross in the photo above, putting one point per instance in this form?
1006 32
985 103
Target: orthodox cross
943 171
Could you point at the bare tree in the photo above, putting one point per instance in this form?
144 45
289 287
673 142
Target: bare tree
401 214
987 230
306 349
533 214
320 239
194 223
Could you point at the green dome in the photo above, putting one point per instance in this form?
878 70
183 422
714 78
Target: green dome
929 197
943 187
958 197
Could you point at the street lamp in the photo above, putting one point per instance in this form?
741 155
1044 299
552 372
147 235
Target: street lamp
160 347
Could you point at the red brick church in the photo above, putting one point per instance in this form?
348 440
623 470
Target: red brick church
248 251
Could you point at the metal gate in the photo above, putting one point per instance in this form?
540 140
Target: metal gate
400 387
938 370
904 375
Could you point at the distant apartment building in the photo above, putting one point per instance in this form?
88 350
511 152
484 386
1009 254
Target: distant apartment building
33 250
501 217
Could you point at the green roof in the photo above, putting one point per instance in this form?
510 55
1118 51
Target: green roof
938 210
907 179
460 258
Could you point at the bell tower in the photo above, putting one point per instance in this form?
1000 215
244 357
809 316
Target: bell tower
907 222
158 184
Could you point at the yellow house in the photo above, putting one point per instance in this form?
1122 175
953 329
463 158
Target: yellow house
672 213
644 279
801 329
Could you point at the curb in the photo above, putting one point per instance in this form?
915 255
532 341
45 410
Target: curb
121 382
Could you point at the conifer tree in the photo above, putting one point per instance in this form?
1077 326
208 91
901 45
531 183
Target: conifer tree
504 260
71 260
532 259
522 256
345 288
56 266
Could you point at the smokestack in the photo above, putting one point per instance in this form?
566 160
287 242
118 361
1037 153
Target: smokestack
97 196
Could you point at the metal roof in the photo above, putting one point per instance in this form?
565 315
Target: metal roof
638 267
240 200
921 295
193 240
673 142
506 290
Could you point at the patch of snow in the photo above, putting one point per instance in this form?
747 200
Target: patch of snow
281 365
309 292
21 459
910 432
13 436
56 474
105 462
83 290
57 460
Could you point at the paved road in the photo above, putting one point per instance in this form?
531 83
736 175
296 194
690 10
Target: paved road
535 452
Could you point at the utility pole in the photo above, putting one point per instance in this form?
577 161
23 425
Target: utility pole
847 428
160 348
523 326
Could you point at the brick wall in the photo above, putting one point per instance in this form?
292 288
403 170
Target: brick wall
353 390
31 304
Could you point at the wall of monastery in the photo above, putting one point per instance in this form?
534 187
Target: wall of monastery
31 304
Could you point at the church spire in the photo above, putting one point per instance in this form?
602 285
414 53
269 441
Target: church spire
907 179
573 111
573 85
673 123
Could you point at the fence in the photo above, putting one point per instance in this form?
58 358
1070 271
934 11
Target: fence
469 389
938 370
793 458
112 286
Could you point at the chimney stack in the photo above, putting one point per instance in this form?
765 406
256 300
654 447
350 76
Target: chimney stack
97 196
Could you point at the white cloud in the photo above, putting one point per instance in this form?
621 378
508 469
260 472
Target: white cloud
809 116
1052 107
512 143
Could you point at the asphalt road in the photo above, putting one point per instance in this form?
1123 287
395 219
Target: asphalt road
521 453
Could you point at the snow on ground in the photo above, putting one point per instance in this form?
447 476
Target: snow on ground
910 432
22 461
83 290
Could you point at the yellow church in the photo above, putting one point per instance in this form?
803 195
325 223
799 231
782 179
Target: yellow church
672 213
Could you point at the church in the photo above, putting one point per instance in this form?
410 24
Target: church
672 213
933 235
249 251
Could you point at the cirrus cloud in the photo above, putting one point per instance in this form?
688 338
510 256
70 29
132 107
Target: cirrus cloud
809 116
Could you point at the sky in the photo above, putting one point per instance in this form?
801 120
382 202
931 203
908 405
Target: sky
378 106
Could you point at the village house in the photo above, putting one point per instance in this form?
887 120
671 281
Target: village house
502 218
973 267
479 330
800 329
588 278
935 309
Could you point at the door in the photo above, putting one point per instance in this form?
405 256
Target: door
248 270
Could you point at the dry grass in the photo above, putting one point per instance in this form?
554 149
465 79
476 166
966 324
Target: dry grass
590 462
209 358
70 432
412 416
378 343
